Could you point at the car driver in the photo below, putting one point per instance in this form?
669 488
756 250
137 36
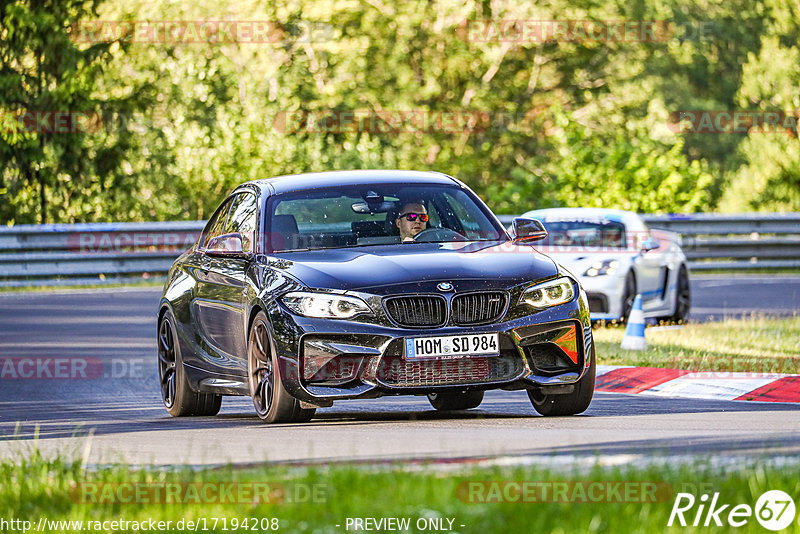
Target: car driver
412 219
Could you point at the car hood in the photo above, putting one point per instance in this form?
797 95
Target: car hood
495 264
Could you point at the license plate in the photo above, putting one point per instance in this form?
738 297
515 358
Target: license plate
452 346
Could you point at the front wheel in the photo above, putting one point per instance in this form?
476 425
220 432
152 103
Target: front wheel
683 298
272 402
177 395
628 296
447 401
570 404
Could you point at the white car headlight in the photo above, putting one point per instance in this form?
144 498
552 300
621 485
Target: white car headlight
550 293
324 305
601 268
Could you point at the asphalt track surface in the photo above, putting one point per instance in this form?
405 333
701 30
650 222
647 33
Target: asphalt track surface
116 416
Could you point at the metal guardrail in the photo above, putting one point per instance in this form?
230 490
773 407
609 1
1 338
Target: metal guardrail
743 241
68 254
732 242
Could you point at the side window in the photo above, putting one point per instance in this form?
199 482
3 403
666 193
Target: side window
216 225
243 219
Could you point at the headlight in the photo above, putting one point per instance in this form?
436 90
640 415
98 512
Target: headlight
550 293
600 268
324 305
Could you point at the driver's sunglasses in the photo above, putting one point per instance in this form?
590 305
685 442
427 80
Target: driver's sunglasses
414 216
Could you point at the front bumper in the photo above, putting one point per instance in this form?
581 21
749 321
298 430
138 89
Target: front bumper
605 295
323 360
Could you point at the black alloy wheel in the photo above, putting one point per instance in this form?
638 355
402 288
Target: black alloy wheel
177 394
272 402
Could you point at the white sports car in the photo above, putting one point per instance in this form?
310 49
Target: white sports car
615 256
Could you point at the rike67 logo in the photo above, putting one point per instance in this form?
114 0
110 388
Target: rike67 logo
774 510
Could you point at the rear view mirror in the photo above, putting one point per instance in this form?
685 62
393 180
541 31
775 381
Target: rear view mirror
528 230
226 245
379 207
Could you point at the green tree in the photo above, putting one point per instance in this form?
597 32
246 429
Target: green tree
574 122
48 168
768 178
630 171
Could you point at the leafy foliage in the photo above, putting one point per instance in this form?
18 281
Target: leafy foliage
575 122
48 166
769 175
632 172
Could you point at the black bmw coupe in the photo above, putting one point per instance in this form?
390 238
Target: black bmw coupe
305 289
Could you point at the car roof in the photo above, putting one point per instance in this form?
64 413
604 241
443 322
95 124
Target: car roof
311 180
583 212
630 219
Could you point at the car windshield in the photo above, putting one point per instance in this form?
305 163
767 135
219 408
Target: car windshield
371 214
584 233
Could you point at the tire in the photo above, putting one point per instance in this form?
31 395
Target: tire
628 296
447 401
574 403
272 402
683 298
177 395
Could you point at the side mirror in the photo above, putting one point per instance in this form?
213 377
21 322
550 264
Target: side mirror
528 230
226 245
650 244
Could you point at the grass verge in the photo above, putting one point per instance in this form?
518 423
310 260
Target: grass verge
321 500
754 270
754 344
136 284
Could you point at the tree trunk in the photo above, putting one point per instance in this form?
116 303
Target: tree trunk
42 199
42 189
